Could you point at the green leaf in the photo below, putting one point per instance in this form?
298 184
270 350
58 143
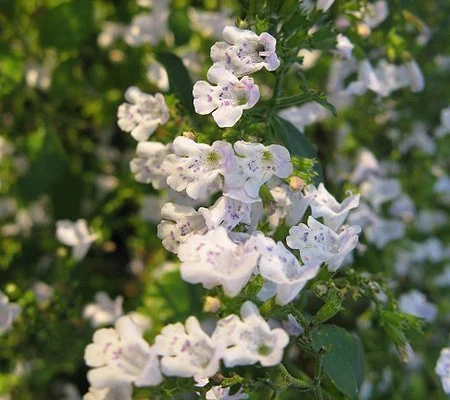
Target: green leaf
343 361
47 164
179 25
292 138
332 306
11 72
179 79
66 25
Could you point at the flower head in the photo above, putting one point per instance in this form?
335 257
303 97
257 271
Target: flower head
415 303
8 313
119 356
319 243
178 224
187 351
196 166
214 260
77 235
251 340
228 99
244 52
253 167
324 205
443 369
147 166
104 311
142 114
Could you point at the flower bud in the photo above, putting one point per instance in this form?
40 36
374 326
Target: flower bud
296 183
190 135
211 304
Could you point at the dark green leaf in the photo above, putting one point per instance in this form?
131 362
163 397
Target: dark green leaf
343 361
292 138
179 79
179 25
47 164
66 25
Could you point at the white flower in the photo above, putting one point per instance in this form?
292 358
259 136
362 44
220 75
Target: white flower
377 230
443 369
415 303
226 212
214 260
38 76
280 268
318 243
324 5
220 393
253 167
378 191
111 31
251 340
143 322
157 75
178 224
187 351
147 28
209 23
147 167
104 311
417 80
324 205
42 292
121 356
442 130
142 114
403 208
77 235
244 52
196 166
290 204
366 165
8 313
420 139
344 47
375 13
228 99
120 392
305 115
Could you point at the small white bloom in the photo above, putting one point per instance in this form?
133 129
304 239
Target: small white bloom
366 165
228 99
147 28
42 292
77 235
111 31
344 47
38 76
157 75
324 5
380 190
121 356
226 212
305 115
290 204
420 139
318 243
244 52
147 167
415 303
142 114
429 220
178 224
209 23
251 340
280 268
220 393
187 351
417 80
324 205
8 313
253 167
403 208
104 311
442 130
214 260
119 392
375 13
196 166
443 369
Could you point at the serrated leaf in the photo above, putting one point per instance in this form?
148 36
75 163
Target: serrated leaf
179 79
343 361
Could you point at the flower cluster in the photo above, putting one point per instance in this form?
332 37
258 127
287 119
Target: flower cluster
120 357
242 53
